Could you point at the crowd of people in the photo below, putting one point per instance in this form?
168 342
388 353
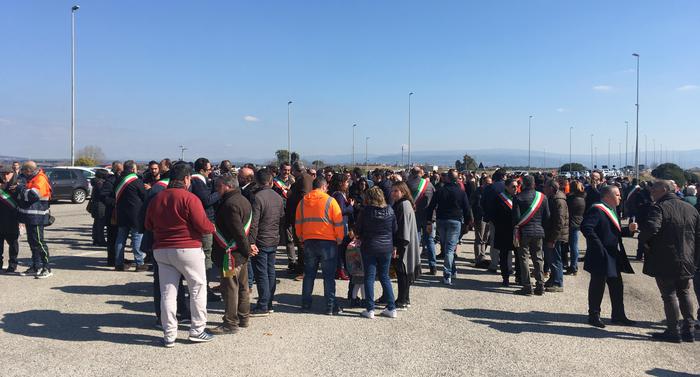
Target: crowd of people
198 223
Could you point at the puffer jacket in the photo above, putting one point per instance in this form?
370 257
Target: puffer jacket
376 228
535 227
557 227
33 198
671 232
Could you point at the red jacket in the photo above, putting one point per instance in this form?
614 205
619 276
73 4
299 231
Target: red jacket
177 219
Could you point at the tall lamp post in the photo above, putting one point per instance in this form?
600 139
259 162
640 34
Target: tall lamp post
182 152
592 164
571 129
289 132
409 129
636 143
366 158
529 139
72 83
353 144
627 135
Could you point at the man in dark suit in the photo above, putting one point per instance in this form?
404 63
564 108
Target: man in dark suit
606 259
129 196
300 187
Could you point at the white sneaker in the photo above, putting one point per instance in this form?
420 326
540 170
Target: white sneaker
389 313
368 314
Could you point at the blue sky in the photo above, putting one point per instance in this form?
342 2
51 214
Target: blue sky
154 75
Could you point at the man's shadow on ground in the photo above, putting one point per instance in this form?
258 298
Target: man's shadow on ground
548 323
76 327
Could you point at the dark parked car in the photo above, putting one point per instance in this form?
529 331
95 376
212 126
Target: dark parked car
69 184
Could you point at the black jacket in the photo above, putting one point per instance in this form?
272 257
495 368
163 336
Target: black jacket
97 206
206 195
231 216
385 185
534 227
9 223
268 212
451 203
129 204
424 202
672 234
489 197
107 194
605 253
592 196
502 218
376 228
475 203
577 207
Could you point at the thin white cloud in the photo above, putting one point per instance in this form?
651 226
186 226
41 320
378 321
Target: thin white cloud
687 88
250 118
602 88
561 110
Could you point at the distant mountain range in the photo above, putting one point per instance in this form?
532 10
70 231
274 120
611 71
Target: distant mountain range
509 157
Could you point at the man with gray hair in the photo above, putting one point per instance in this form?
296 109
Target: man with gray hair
32 195
671 233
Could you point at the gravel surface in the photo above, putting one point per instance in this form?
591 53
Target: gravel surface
87 320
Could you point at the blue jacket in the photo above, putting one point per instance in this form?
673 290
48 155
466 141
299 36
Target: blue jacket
376 228
605 254
206 195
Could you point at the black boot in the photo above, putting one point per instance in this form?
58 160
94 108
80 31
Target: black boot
594 320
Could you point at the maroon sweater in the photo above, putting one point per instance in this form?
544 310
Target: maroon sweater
177 219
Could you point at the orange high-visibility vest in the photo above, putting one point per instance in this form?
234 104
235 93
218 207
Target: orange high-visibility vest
318 217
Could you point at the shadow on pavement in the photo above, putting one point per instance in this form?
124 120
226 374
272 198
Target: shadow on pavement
128 289
545 323
668 373
52 324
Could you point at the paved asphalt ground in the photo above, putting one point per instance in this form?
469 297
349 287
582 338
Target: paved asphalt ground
90 321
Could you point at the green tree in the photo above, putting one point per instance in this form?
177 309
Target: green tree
282 156
670 171
90 155
318 164
468 163
575 166
458 165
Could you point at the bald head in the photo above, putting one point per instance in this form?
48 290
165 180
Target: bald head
29 168
245 176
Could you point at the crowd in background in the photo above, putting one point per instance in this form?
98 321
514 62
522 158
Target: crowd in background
204 224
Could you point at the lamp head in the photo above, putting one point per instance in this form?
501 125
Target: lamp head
410 94
635 54
289 103
75 7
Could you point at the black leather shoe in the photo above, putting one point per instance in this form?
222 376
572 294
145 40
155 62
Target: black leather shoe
594 320
666 337
623 322
688 337
433 271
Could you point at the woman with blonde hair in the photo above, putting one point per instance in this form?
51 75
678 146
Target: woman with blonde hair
407 258
376 227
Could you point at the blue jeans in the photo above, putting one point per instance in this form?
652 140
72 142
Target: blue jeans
251 276
449 236
556 274
264 266
428 240
378 264
573 248
122 235
321 252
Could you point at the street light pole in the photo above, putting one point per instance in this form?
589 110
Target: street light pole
409 129
402 154
571 129
646 153
353 144
289 133
619 152
72 83
592 165
627 135
636 144
609 142
529 141
182 152
366 158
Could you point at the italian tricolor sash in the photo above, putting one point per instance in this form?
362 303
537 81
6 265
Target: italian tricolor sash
122 185
281 186
420 190
611 215
527 216
163 182
229 247
200 177
7 199
507 200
